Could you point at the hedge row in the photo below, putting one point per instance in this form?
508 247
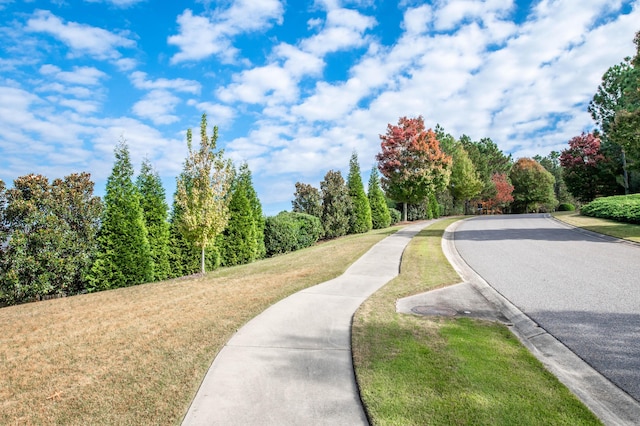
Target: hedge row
291 231
623 208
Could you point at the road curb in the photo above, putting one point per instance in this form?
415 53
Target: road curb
609 403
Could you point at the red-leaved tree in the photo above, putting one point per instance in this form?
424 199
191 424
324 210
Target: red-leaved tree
503 191
411 162
586 169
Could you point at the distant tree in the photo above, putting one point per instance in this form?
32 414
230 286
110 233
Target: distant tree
360 217
488 159
380 216
202 192
335 205
4 229
464 183
586 170
411 162
242 241
533 186
123 257
503 191
307 199
155 210
552 164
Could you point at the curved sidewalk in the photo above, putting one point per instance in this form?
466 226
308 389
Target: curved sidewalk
292 364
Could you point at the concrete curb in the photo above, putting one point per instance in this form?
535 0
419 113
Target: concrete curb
608 402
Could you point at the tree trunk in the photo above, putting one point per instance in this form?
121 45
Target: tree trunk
202 260
404 212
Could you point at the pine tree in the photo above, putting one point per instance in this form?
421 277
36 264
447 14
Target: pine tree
154 208
202 192
246 180
360 218
380 216
123 257
335 205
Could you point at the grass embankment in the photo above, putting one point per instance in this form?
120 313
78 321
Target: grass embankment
627 231
440 371
137 355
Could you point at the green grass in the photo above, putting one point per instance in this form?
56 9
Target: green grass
625 231
439 371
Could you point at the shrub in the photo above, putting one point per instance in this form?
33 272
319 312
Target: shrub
566 207
623 208
395 216
290 231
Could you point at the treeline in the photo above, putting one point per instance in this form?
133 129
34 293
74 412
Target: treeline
58 239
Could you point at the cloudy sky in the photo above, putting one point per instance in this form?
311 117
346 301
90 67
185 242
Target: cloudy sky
295 86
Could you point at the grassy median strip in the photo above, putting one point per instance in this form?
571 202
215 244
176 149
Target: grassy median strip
137 355
435 371
610 227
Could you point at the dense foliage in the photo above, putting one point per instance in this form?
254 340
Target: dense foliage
290 231
623 208
360 216
307 199
411 162
123 257
380 215
533 187
336 205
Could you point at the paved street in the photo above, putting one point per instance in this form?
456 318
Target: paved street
581 288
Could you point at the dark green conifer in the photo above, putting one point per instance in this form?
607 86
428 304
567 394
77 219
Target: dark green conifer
380 215
360 217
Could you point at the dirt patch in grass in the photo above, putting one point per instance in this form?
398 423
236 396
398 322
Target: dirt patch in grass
137 355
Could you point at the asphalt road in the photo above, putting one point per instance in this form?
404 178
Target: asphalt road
581 288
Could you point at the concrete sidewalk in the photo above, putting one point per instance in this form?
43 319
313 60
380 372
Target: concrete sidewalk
292 364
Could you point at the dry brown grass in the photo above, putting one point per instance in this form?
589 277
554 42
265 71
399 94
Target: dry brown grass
137 355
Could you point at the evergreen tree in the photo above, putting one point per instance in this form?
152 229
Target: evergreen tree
307 199
335 205
202 192
465 182
380 216
246 180
239 241
360 218
155 209
123 257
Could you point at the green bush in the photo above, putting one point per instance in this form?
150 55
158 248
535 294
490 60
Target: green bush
566 207
623 208
290 231
395 216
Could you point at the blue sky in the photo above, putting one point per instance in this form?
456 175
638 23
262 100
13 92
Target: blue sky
294 86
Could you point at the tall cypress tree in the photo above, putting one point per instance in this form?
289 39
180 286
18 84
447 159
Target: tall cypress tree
360 218
154 208
123 257
336 205
246 180
380 216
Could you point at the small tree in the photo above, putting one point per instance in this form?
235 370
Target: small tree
307 199
242 241
533 186
123 256
411 162
465 183
155 210
360 218
202 191
503 191
380 216
335 205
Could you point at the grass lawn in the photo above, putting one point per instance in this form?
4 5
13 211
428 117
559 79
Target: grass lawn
610 227
137 355
441 371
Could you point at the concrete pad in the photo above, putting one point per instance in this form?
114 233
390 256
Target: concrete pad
460 300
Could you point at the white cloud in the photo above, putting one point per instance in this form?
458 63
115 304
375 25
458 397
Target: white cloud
220 115
157 106
267 84
85 76
81 39
140 81
203 36
343 29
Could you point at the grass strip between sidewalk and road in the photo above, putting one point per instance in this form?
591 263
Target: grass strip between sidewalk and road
433 371
137 355
626 231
